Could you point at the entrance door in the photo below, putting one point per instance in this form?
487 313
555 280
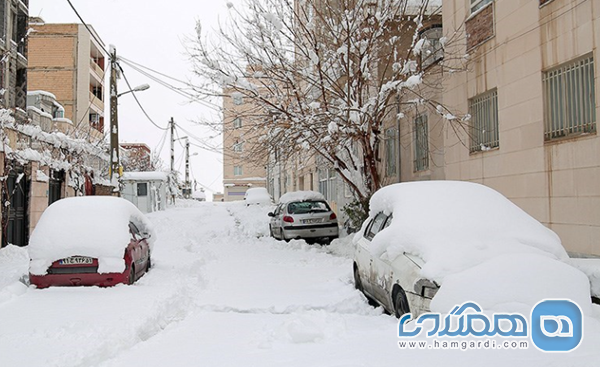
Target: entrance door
55 185
15 220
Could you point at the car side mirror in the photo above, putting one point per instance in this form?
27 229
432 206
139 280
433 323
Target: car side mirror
145 235
271 214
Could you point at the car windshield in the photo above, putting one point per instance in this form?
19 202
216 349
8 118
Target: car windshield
307 207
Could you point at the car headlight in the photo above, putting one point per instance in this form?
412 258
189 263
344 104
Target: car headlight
426 288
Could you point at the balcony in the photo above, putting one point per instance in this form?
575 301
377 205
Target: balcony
96 101
96 71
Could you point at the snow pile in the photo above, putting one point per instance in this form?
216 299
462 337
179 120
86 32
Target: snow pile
251 220
455 225
523 279
95 226
13 263
591 268
301 196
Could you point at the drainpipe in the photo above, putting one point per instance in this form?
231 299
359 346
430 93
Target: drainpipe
398 154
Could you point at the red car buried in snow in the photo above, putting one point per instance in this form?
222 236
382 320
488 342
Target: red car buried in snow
93 241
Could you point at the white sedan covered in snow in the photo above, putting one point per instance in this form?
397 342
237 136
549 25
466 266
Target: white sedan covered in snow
459 242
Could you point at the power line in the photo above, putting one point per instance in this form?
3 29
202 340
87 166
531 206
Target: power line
88 28
138 102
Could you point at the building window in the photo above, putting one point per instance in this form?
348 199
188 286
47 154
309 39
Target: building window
238 99
237 170
432 50
142 189
569 99
421 143
328 183
390 152
478 4
323 179
97 91
238 147
484 121
237 123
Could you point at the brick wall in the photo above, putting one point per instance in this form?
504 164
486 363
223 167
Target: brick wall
480 27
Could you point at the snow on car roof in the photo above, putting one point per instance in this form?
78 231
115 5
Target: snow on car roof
95 226
301 196
456 225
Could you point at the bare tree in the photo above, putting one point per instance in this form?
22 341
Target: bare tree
322 76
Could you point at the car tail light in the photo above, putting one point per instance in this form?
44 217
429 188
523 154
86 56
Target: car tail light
332 216
288 219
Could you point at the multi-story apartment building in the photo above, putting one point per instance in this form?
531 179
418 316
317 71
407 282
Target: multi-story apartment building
242 167
68 60
13 101
531 91
13 46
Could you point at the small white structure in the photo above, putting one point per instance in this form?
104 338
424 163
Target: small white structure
146 190
199 195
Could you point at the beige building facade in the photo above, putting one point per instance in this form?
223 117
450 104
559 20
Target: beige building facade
68 61
241 168
531 91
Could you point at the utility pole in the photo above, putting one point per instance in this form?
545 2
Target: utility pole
187 169
172 175
172 123
114 172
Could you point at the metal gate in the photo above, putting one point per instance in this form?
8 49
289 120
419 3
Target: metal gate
15 220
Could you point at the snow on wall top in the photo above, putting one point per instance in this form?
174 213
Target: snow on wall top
301 196
41 93
145 176
455 225
95 226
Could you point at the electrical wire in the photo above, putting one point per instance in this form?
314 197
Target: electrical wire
138 102
100 43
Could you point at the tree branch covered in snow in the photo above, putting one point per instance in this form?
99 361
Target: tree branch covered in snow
322 76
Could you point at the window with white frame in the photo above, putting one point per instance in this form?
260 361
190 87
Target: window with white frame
332 182
478 4
569 99
238 147
237 123
484 121
432 50
323 182
390 151
238 171
421 131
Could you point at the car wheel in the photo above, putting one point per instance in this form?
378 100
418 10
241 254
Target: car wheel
271 231
357 281
400 302
131 278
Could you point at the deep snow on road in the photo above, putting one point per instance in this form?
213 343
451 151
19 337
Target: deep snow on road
222 293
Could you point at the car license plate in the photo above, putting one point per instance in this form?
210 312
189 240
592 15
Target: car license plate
76 260
313 220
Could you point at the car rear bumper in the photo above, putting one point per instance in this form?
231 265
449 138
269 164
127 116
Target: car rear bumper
311 231
86 279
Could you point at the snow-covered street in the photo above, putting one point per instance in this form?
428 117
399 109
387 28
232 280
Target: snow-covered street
223 293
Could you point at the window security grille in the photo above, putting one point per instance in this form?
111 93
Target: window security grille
569 99
484 121
421 143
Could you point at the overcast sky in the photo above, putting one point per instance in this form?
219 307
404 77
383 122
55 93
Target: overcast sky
151 33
